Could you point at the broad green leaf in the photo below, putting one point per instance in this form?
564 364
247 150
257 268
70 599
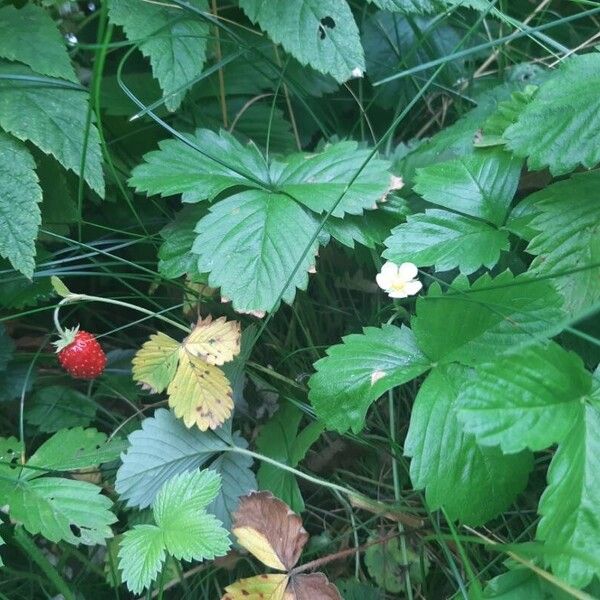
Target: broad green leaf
472 483
505 313
183 529
73 449
20 195
44 49
280 439
560 127
174 40
446 240
189 532
10 454
56 407
155 363
54 119
60 509
142 554
210 164
322 35
175 253
351 589
320 180
570 504
265 237
405 6
481 185
7 347
507 113
161 449
567 243
358 371
521 583
527 399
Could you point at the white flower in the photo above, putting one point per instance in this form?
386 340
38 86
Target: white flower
399 281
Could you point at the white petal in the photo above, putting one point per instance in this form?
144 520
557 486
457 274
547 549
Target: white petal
384 281
413 287
390 268
407 271
398 294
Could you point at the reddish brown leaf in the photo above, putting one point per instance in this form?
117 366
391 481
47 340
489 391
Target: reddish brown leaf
311 587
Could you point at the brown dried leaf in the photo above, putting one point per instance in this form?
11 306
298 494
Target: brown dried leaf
269 530
311 587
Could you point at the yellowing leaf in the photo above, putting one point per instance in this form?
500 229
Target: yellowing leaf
217 342
155 362
261 587
200 394
269 530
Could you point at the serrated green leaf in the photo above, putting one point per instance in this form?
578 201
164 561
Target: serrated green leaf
446 240
259 264
320 180
188 530
60 509
20 195
505 313
174 40
237 479
322 35
481 185
569 505
508 112
7 347
175 253
162 448
527 399
567 226
358 371
142 554
44 51
405 6
55 121
472 483
559 128
73 449
280 440
56 407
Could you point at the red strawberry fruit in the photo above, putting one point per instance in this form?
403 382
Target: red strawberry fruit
80 354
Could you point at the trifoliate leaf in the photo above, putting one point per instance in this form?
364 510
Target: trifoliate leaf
472 483
569 505
162 448
20 195
559 127
200 394
446 240
261 587
480 185
183 529
73 449
358 371
57 407
189 532
527 399
216 342
7 347
142 554
174 40
269 530
267 239
55 122
322 35
155 363
567 240
45 51
279 440
60 509
505 313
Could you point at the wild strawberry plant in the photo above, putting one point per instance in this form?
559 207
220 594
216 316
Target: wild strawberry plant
325 278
